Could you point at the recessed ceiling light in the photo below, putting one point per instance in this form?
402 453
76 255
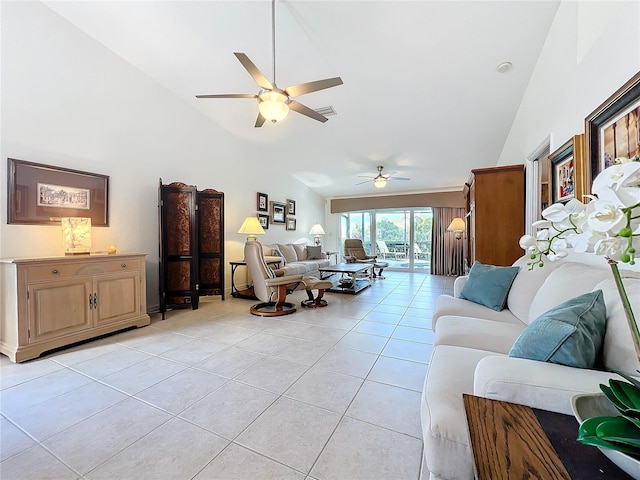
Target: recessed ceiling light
504 67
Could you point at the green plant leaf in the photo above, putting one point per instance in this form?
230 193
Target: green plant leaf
635 421
626 393
612 398
619 430
587 436
629 378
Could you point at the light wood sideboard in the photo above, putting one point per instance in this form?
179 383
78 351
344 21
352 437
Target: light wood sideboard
56 301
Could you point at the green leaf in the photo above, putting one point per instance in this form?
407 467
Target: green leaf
629 378
619 430
626 393
587 436
612 398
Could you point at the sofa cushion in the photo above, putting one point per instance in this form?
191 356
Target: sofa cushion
279 254
289 252
567 281
448 305
489 285
477 333
570 334
526 285
301 251
314 252
618 351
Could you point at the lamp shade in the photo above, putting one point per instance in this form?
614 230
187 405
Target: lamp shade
458 226
273 105
76 235
251 227
316 230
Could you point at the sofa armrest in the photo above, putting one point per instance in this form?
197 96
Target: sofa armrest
547 386
458 284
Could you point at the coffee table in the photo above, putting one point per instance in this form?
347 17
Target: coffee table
355 277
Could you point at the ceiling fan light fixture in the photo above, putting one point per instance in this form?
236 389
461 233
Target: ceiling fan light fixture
380 182
273 105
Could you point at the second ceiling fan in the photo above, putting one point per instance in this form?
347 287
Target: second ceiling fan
274 103
380 180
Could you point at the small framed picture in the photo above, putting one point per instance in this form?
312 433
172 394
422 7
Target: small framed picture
563 173
263 202
291 223
291 207
264 220
278 212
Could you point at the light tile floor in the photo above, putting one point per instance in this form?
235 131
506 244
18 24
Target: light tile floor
217 393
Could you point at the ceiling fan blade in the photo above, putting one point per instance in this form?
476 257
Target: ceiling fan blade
254 71
361 183
304 110
230 95
260 120
398 178
297 90
366 176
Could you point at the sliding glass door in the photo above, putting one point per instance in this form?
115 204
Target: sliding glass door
401 237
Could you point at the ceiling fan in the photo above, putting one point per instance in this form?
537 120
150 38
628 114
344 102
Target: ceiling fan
273 102
380 180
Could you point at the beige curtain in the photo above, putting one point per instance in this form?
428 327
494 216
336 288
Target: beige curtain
447 253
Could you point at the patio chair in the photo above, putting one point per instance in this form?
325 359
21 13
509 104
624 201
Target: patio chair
384 250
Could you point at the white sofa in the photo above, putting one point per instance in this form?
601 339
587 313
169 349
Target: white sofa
295 259
471 348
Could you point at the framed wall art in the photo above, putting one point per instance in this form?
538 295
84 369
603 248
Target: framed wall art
291 207
612 129
264 220
291 223
278 210
263 202
567 171
43 194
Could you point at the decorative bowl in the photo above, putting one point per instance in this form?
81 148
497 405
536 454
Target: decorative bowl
594 405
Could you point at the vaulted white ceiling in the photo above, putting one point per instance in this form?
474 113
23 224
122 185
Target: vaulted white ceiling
421 93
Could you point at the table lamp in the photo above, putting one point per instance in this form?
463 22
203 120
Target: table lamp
76 235
251 226
316 230
457 226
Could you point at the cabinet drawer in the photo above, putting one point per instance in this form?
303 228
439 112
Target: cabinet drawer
61 270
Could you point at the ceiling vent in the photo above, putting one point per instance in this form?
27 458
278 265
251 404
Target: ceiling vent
326 111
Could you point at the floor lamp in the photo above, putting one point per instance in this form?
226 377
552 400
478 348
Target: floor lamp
458 227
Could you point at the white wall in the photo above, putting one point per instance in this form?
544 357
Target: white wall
70 102
592 49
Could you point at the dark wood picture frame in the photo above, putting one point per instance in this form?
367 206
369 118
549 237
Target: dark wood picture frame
41 194
601 124
291 223
571 152
278 212
263 202
291 207
264 220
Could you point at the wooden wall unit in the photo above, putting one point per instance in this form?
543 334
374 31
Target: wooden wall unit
191 225
57 301
496 200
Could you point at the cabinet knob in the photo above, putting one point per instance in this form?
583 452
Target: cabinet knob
124 265
55 271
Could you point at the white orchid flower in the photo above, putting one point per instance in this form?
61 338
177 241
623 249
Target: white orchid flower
527 242
556 256
555 213
606 217
612 247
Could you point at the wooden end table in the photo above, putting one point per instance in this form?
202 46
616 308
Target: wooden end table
511 441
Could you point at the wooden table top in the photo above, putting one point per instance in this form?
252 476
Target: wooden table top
508 442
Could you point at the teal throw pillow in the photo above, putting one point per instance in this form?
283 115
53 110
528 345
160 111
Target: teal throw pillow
314 253
570 334
489 285
281 255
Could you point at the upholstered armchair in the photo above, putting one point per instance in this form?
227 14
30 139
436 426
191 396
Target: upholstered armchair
354 252
272 287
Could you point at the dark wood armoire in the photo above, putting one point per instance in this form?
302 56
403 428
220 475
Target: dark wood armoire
191 231
496 202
